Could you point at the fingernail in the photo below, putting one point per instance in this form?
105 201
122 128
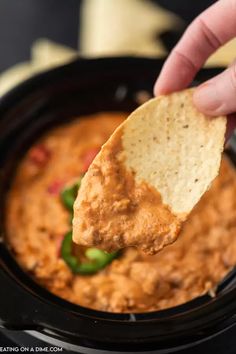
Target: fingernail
206 98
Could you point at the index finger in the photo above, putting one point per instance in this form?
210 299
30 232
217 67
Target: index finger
210 30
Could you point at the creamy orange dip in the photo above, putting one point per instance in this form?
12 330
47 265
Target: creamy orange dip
36 223
113 211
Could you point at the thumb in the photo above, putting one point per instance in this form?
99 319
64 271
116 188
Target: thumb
218 95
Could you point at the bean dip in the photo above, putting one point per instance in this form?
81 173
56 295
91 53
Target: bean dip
37 221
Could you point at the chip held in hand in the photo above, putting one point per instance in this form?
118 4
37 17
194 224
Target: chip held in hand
149 175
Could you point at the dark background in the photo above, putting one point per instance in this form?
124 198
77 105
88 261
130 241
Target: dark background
23 21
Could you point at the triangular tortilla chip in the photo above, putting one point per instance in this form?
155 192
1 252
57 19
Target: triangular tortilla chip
149 176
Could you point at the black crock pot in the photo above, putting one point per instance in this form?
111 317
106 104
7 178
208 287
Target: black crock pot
80 88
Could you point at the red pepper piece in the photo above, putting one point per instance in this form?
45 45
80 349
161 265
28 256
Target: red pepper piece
55 187
59 241
39 155
88 158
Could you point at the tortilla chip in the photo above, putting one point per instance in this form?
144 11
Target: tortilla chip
148 176
174 148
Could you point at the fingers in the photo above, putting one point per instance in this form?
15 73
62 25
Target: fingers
218 95
209 31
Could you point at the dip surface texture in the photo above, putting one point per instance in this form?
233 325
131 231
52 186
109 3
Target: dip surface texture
36 223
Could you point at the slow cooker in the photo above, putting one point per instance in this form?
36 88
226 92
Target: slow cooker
29 313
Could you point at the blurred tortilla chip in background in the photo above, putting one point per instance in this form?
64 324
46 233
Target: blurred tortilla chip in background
45 54
109 28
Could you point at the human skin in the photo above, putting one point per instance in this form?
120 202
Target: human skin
209 31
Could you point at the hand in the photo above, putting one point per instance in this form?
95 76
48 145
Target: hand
210 30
